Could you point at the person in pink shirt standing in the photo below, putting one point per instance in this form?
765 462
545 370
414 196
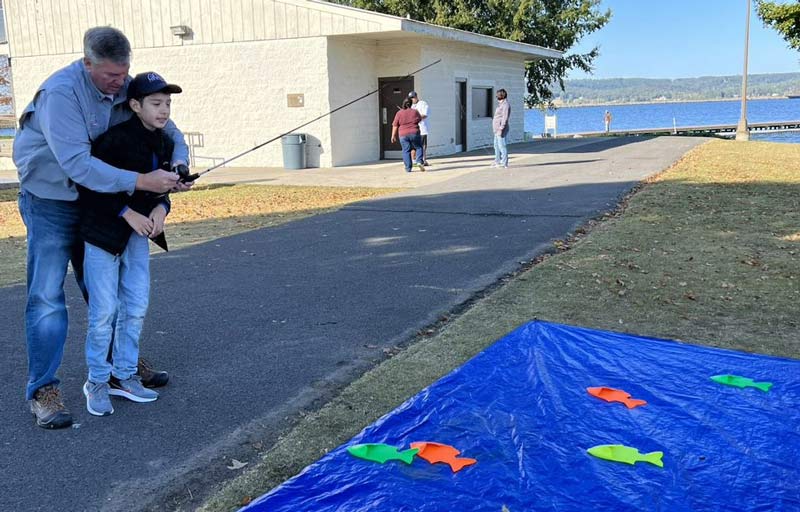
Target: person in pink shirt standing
406 127
500 128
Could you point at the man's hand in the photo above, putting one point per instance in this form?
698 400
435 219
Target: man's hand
394 139
157 217
158 181
140 224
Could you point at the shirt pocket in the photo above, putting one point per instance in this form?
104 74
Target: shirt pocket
94 126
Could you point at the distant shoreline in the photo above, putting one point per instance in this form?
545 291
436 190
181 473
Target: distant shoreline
720 100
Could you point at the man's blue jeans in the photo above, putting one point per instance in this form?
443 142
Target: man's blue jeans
119 291
407 142
500 150
53 241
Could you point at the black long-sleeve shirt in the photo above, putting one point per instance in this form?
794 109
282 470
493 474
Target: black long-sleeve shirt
133 147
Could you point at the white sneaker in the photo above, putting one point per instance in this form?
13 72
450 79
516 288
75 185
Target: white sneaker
494 165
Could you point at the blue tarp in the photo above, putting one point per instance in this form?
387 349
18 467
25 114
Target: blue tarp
521 408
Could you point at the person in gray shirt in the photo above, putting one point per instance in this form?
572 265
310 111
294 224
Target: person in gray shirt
52 152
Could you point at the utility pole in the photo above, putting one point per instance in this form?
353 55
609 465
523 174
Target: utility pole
742 133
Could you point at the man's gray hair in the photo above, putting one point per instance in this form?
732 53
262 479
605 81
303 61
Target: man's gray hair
106 44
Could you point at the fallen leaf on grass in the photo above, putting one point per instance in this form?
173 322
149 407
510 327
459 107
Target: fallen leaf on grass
236 464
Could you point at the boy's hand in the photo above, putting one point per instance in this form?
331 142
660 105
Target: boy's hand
157 216
140 224
182 187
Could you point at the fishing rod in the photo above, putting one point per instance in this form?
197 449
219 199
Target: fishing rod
192 177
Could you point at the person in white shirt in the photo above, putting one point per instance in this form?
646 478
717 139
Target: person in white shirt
421 106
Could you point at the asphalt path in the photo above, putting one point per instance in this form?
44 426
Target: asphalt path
259 327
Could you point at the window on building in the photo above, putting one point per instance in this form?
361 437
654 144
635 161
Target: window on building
482 102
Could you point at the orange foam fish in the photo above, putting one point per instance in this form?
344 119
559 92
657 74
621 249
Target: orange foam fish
438 452
616 395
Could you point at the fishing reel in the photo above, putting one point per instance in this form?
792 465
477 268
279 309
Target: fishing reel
183 172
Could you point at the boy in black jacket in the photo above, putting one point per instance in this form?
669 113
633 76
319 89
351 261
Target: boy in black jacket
116 229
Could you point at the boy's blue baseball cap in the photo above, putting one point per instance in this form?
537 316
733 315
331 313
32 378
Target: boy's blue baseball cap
148 83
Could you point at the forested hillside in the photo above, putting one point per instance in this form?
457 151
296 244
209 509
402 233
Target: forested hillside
636 90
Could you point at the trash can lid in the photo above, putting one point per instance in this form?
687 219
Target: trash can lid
293 138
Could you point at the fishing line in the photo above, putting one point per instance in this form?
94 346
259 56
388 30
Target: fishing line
193 177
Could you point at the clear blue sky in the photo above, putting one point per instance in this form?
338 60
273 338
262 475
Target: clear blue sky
684 38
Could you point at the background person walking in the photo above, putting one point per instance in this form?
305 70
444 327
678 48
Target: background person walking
607 121
500 127
422 107
406 125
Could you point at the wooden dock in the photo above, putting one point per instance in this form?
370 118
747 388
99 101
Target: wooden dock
720 129
8 121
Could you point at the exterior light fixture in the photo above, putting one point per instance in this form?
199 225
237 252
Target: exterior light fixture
181 31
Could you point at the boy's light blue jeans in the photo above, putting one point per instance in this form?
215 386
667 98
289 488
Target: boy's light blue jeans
52 236
500 150
119 286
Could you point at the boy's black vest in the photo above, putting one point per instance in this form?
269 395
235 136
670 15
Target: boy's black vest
133 147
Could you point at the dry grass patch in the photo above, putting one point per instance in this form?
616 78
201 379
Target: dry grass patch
706 253
203 214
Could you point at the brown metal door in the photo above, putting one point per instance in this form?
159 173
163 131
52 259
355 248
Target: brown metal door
393 92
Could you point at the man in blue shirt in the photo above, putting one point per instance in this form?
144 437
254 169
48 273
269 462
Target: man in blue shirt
52 151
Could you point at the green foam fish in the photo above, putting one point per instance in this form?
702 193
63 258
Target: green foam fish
379 452
626 454
741 382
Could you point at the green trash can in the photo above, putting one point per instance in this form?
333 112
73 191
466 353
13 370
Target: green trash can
294 151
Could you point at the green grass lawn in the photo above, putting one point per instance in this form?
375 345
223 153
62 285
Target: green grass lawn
707 253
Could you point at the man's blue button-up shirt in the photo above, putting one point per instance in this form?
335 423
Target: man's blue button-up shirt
52 148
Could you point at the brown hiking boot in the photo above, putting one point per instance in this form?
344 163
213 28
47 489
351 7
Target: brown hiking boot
49 409
151 378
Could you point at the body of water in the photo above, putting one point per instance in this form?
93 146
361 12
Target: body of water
661 115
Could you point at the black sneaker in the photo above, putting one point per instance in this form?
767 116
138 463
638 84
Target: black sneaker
151 378
49 409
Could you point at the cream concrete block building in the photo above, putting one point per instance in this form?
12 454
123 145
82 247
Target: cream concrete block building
252 70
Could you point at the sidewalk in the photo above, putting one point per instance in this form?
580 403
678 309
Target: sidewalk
383 174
